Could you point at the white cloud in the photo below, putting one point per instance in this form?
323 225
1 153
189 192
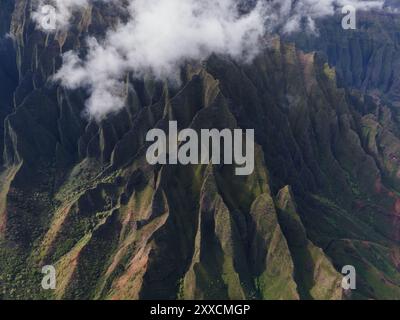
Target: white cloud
288 16
64 10
161 35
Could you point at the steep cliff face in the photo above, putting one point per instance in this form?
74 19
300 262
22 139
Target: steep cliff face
81 196
8 70
6 10
366 58
366 61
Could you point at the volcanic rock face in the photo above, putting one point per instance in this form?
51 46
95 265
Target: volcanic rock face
81 196
366 58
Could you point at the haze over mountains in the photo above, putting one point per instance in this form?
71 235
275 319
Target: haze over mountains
76 192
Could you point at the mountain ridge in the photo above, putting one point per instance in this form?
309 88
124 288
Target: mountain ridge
80 195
